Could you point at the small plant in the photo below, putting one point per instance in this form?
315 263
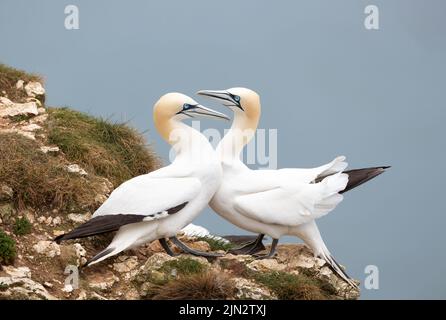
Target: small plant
203 286
294 287
216 244
22 226
7 249
20 118
183 266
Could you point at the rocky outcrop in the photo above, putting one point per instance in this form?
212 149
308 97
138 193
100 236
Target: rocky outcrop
18 109
17 284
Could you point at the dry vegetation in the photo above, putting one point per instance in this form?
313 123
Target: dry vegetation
8 79
202 286
40 180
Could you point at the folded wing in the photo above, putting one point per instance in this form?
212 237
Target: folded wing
144 195
293 202
140 199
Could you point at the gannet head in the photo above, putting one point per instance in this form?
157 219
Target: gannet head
173 107
242 101
178 106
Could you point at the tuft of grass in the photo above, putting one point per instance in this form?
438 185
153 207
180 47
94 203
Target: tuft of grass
40 180
202 286
7 249
183 266
21 117
8 79
293 287
111 150
22 226
216 244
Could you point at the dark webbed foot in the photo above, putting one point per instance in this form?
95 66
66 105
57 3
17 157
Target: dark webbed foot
250 247
194 252
166 247
271 253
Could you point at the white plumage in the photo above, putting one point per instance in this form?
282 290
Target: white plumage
273 202
159 204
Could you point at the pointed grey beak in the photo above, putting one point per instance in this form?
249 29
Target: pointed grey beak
202 111
223 96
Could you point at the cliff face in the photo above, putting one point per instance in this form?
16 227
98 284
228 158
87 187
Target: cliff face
58 165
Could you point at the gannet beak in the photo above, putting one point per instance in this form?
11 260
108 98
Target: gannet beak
223 96
199 110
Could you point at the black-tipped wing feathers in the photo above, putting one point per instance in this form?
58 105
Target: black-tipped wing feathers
109 223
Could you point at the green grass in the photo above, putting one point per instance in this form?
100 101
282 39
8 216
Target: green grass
294 287
183 266
111 150
22 226
7 249
216 244
21 117
8 79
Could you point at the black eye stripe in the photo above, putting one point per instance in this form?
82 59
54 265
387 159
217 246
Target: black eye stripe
188 106
234 97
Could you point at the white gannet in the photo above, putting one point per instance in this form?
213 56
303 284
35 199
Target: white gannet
276 202
157 205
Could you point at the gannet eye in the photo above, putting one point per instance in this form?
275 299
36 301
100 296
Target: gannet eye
237 98
186 106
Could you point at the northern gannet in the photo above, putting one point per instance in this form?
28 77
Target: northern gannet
157 205
276 202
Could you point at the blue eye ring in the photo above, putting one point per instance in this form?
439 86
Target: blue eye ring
237 98
186 106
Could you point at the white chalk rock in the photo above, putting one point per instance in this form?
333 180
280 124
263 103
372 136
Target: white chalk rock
34 89
49 249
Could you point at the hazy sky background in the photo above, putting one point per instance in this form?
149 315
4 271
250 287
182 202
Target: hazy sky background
327 84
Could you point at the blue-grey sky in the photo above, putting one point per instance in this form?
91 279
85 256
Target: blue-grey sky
327 84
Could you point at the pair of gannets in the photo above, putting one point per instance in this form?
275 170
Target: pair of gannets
267 202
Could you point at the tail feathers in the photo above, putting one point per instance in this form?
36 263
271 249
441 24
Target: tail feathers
359 176
110 251
336 267
331 186
337 165
309 233
335 183
326 205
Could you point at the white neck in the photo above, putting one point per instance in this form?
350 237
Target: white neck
241 132
188 143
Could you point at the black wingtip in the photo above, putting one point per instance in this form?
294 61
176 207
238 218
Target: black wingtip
98 256
59 239
357 177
